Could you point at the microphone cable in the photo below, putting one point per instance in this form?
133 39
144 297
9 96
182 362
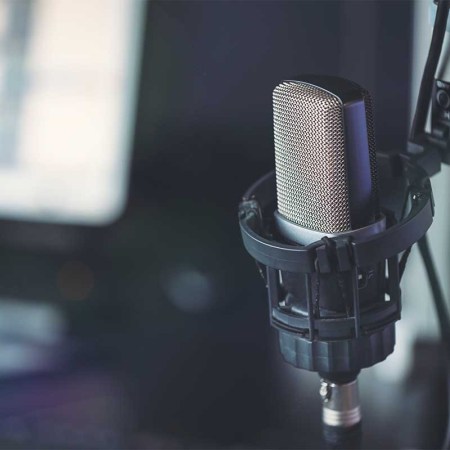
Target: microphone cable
438 295
443 319
418 132
426 85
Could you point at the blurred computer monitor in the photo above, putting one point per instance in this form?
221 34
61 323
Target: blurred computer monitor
68 79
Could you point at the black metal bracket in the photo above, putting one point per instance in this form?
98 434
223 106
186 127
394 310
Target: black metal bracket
259 201
364 333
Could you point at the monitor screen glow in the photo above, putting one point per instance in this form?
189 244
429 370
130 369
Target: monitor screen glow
68 79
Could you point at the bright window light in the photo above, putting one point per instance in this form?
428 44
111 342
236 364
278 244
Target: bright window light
68 79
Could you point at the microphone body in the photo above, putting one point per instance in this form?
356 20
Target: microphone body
326 181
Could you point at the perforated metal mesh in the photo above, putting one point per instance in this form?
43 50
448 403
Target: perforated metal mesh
310 157
372 148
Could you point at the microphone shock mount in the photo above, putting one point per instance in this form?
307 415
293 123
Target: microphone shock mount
362 273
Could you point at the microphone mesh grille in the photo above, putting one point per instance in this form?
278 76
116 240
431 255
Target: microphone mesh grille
311 173
372 149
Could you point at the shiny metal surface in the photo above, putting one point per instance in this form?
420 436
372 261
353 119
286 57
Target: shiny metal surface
311 156
340 404
312 188
305 236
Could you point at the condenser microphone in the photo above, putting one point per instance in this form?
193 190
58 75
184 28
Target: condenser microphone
325 160
326 183
327 244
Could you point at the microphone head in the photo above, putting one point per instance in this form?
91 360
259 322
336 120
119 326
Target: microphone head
325 158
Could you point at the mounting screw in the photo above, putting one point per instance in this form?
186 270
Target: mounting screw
325 390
